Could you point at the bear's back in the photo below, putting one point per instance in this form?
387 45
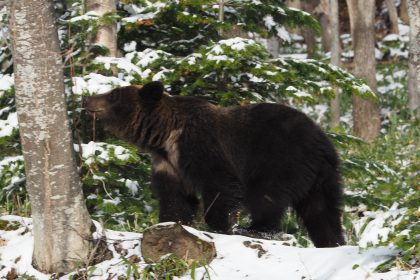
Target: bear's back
264 131
273 136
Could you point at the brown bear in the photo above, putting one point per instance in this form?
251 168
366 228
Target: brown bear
262 158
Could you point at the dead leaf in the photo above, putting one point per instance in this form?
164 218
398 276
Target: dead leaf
11 274
258 247
134 259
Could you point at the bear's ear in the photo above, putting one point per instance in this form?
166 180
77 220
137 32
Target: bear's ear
151 92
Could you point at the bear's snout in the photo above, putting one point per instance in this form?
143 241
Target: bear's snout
95 104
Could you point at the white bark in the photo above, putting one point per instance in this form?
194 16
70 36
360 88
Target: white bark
366 117
221 10
335 58
273 46
107 34
414 58
221 14
61 221
393 16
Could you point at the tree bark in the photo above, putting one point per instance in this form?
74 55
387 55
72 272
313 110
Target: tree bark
403 11
322 13
309 35
414 58
335 58
107 34
319 9
393 16
62 226
273 46
351 12
366 119
294 4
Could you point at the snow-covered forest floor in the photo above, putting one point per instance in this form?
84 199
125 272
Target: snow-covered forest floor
238 257
381 205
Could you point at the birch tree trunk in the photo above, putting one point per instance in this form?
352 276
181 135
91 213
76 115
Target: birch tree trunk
62 226
366 119
393 16
107 34
414 58
335 58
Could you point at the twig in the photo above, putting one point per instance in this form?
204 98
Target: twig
211 204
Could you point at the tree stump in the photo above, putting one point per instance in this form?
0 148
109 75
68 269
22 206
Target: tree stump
172 238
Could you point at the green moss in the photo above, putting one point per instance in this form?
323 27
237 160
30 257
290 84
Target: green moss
9 225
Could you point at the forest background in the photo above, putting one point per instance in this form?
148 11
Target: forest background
247 52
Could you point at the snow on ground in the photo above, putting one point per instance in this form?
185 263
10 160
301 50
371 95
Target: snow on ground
7 126
238 257
6 82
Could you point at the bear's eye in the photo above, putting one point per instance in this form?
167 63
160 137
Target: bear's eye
114 96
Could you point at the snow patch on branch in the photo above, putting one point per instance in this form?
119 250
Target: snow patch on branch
96 84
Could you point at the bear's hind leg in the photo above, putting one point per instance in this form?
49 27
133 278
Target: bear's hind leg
266 212
219 207
320 213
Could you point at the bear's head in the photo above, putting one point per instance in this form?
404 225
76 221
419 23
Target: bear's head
121 108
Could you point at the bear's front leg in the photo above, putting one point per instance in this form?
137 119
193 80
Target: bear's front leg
176 202
218 184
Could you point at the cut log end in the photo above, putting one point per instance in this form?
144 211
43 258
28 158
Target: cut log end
172 238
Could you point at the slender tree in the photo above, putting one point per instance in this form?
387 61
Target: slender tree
107 33
414 59
320 10
366 119
309 35
273 46
335 57
393 16
62 226
403 12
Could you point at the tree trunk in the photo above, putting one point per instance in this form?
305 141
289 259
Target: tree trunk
403 11
393 16
62 226
366 119
319 9
335 58
107 34
297 5
273 46
350 7
414 58
322 14
309 35
294 4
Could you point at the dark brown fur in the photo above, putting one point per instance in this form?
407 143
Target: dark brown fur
262 157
